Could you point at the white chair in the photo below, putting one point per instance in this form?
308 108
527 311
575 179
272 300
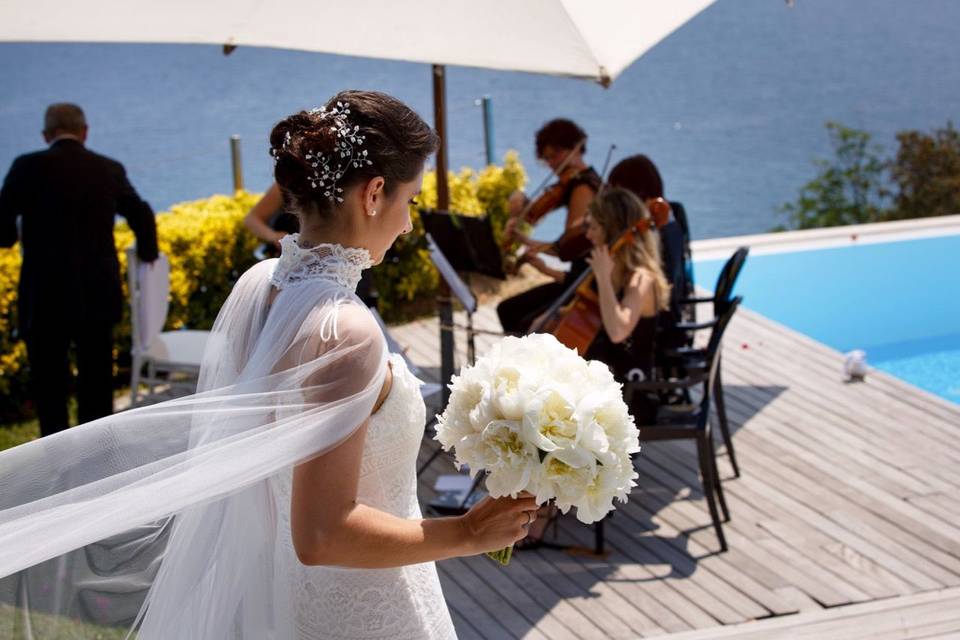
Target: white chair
171 358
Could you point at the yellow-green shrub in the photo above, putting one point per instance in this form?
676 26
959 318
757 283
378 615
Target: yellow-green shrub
13 351
407 275
208 248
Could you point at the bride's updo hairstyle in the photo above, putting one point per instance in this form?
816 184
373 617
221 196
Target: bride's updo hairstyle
387 139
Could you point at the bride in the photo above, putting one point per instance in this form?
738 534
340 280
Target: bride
280 500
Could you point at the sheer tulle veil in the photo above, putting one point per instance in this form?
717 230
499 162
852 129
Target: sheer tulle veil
162 519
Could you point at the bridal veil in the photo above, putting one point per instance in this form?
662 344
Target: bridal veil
162 519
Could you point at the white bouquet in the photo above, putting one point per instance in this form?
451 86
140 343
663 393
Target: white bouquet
539 418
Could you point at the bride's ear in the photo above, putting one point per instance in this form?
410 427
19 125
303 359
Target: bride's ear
373 195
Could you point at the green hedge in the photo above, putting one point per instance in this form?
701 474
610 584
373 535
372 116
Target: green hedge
209 247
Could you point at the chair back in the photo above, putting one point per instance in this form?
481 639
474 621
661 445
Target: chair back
149 286
723 292
713 352
680 215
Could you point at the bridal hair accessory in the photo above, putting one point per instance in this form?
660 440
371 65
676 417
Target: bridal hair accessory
329 168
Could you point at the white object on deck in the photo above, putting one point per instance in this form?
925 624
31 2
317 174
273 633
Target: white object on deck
578 38
855 364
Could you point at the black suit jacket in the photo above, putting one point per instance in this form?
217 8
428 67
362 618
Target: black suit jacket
67 198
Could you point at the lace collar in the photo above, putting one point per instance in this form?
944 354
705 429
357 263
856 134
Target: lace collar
326 261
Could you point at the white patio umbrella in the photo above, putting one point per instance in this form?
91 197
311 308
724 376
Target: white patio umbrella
590 39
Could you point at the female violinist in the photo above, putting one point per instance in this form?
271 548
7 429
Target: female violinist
561 144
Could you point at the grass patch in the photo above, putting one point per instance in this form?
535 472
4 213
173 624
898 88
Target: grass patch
12 435
50 627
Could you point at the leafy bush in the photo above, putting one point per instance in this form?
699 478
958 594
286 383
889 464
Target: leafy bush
927 173
849 189
923 180
407 281
208 248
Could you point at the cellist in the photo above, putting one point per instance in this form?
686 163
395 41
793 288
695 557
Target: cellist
631 288
561 144
632 291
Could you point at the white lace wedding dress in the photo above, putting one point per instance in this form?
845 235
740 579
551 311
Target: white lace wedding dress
181 510
342 603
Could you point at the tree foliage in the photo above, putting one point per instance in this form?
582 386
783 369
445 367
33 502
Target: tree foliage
922 180
927 173
850 187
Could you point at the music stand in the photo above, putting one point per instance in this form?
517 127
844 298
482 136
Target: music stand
466 241
458 243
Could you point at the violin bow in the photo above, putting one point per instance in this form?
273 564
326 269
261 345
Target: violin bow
606 166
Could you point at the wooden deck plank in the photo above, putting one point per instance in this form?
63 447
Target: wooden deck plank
635 618
595 609
818 413
917 543
720 564
500 579
850 495
903 618
687 557
468 609
752 513
810 532
647 576
517 577
875 400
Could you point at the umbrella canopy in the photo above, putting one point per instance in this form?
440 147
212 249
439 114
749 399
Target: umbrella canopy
591 39
594 39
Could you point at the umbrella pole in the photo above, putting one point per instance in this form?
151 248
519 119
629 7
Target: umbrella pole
444 300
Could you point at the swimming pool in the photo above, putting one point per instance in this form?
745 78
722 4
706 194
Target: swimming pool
897 300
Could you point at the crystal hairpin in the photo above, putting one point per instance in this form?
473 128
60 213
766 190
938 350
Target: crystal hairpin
329 168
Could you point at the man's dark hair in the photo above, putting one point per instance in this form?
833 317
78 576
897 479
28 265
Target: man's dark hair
64 116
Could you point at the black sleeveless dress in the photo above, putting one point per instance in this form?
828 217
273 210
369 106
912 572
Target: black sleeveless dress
631 360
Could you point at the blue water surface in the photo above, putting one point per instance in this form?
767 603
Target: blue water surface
731 106
898 301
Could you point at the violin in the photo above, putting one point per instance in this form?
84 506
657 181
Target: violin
552 196
577 323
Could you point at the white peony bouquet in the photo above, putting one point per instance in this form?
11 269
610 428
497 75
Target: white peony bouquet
539 418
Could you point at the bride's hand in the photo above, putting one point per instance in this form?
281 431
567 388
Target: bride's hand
496 523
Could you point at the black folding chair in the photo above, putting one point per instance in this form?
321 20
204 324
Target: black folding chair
691 360
693 421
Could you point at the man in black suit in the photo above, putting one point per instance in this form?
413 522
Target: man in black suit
66 198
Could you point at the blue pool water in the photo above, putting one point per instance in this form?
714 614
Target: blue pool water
898 301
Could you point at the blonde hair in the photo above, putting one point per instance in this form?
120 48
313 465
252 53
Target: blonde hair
617 210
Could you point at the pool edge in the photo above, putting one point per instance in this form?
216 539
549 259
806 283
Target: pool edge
829 237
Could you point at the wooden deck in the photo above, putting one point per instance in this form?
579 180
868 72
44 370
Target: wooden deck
845 522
